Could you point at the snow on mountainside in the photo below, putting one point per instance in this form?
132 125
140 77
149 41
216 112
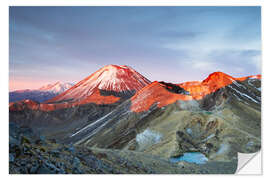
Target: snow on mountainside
114 84
212 83
57 87
111 78
40 95
156 92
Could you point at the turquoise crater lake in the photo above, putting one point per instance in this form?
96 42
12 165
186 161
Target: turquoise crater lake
191 157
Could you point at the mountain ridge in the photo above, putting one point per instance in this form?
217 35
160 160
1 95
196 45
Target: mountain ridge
57 87
41 94
197 90
151 93
217 117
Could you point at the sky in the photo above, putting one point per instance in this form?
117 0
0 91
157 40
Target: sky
172 44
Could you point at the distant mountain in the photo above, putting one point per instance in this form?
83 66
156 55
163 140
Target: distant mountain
57 87
85 102
117 108
40 95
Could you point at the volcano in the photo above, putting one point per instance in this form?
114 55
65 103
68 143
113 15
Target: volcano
107 85
218 117
83 103
110 85
118 110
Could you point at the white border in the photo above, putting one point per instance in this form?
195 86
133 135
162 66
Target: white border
253 165
4 71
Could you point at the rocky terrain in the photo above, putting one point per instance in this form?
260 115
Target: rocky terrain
220 131
140 127
33 154
85 102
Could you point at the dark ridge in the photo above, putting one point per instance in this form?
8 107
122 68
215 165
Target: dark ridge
210 100
35 95
56 123
107 120
61 101
122 94
174 88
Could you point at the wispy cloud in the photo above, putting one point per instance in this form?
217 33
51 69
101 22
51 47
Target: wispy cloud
164 43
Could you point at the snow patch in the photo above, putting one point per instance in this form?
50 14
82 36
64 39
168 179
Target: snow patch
148 138
249 83
238 85
90 125
223 148
209 137
242 94
189 131
57 87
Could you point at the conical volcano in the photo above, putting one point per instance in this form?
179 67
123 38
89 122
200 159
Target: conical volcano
111 81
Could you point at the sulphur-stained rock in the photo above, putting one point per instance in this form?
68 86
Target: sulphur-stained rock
223 123
151 132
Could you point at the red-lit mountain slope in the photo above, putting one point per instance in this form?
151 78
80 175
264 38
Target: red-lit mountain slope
106 86
111 78
212 83
166 119
124 79
156 93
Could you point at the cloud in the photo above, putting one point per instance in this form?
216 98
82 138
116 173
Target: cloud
235 62
256 62
165 43
204 65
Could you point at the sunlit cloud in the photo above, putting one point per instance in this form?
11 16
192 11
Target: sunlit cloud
173 44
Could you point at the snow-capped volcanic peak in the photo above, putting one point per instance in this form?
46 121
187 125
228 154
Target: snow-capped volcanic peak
118 78
57 87
109 78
